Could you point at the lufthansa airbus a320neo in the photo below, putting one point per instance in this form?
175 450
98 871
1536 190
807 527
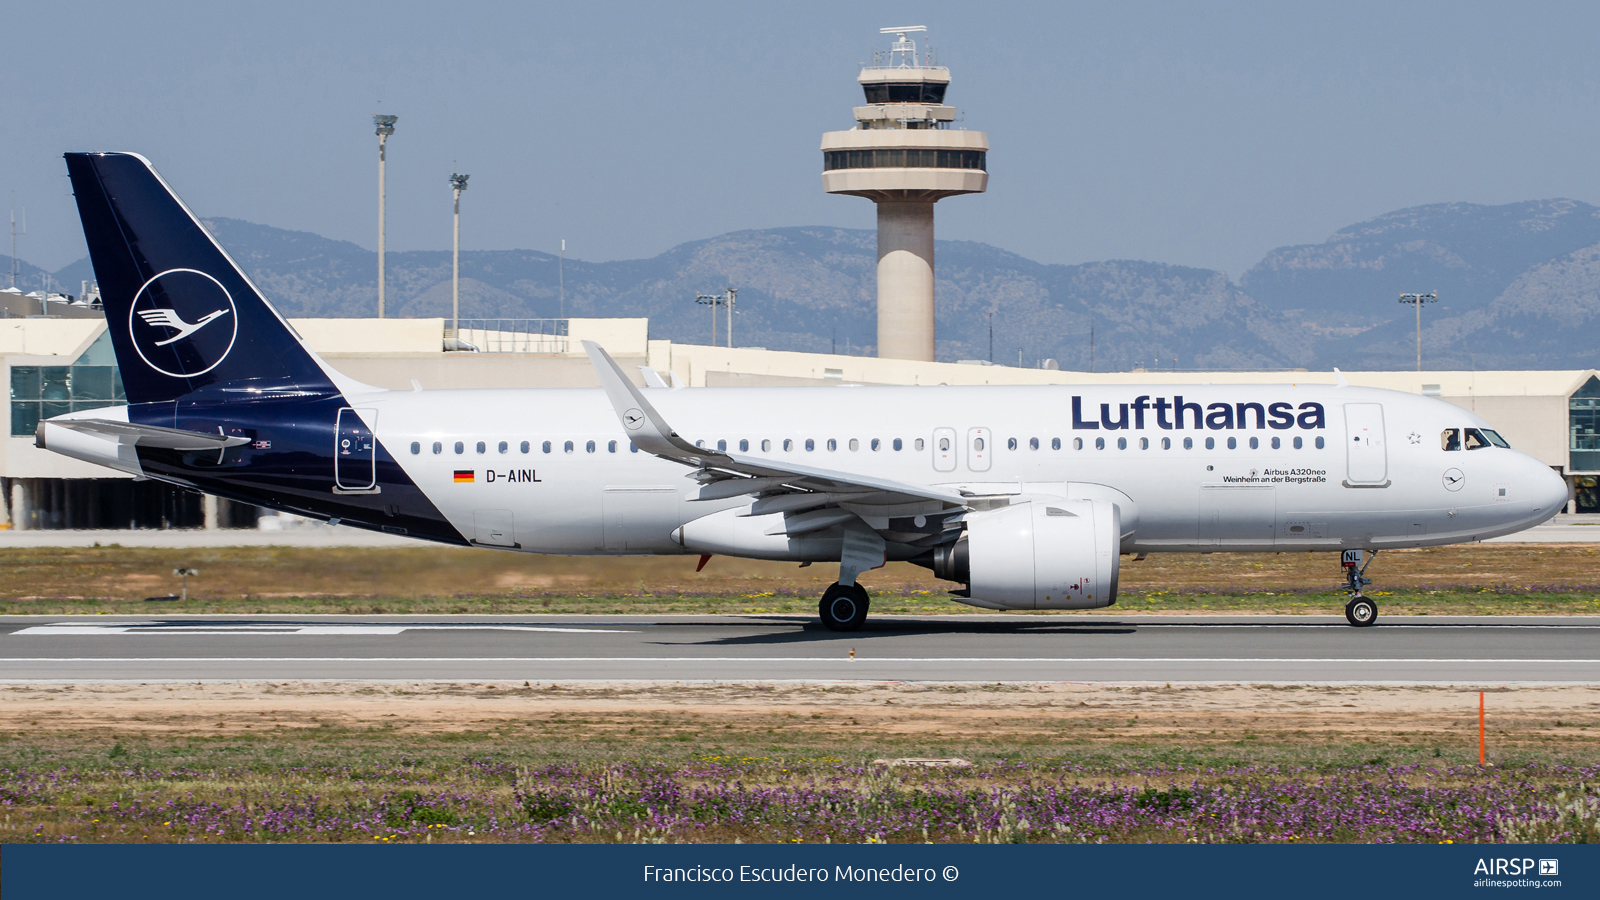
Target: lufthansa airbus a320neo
1028 496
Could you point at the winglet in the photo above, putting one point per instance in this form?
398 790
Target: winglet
1340 376
645 427
652 378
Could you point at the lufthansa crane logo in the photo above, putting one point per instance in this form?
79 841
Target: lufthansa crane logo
183 323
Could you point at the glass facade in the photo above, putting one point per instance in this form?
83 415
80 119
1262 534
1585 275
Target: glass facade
1583 423
905 158
906 92
40 392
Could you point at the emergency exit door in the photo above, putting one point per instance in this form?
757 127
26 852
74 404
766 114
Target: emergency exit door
355 460
1367 457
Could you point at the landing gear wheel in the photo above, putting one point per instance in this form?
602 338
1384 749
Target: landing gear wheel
1361 612
843 608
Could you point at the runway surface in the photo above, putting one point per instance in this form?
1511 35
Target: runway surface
972 648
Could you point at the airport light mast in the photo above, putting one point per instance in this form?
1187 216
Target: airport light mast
903 156
1417 300
458 183
385 127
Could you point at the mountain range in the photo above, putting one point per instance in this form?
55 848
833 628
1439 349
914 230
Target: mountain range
1518 286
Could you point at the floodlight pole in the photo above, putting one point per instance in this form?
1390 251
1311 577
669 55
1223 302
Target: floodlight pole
16 269
1417 300
728 300
713 301
458 183
384 127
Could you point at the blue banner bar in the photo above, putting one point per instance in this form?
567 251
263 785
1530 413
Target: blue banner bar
311 872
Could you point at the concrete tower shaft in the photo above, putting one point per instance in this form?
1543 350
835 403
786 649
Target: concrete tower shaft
904 156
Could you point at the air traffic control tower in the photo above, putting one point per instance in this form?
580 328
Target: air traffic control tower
904 156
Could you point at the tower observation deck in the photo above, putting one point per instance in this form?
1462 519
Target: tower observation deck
903 155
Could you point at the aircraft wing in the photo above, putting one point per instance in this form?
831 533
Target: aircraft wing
805 494
149 435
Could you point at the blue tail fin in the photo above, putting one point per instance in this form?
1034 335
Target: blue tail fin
182 315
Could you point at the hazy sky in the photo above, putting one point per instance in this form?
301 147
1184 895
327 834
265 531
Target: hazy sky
1202 134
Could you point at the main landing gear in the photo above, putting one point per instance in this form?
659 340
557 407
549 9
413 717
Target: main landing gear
1359 610
843 607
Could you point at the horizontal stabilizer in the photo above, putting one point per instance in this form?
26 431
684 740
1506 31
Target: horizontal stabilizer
144 435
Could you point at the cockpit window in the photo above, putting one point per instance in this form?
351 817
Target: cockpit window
1450 439
1476 440
1495 438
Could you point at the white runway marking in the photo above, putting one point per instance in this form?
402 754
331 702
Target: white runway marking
257 630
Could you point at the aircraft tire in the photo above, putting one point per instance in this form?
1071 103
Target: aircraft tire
843 608
1361 612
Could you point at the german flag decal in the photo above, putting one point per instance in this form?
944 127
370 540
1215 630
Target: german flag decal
466 476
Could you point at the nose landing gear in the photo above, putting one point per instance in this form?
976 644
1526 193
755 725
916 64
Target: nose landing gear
1359 610
843 607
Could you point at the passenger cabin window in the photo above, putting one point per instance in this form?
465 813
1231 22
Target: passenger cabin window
722 446
1122 443
832 445
877 444
918 445
811 445
855 444
1298 443
1319 443
1144 443
787 445
416 448
1011 443
545 447
1188 443
504 446
1233 443
611 446
438 447
1099 443
1077 443
482 447
766 446
567 447
1211 443
1277 444
897 445
1055 443
589 447
1450 439
744 445
460 447
1166 443
525 447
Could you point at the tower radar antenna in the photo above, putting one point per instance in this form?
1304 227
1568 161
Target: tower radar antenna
903 52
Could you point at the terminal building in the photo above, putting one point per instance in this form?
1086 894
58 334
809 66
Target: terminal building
55 365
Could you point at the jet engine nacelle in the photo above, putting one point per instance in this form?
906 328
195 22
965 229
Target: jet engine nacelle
1043 554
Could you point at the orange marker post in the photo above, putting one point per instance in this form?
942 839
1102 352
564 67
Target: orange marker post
1480 729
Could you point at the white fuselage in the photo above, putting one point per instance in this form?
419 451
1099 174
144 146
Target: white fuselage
1370 471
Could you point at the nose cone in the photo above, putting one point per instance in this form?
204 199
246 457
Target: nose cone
1551 494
